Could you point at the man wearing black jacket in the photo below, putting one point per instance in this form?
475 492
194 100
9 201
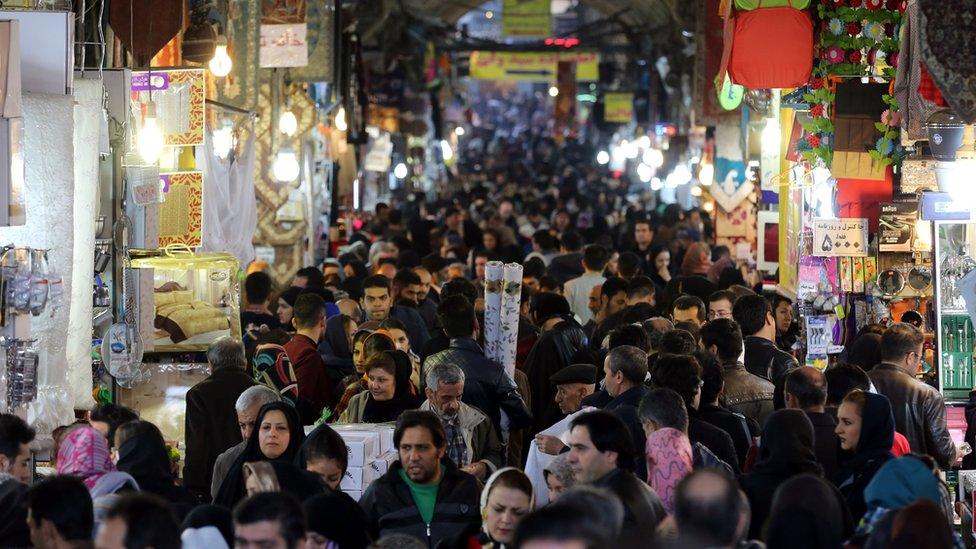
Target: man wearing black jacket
600 454
487 386
763 357
683 374
806 389
624 371
424 494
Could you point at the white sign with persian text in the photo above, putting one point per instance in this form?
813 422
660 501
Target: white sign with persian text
840 237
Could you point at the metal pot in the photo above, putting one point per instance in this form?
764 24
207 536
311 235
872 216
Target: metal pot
945 131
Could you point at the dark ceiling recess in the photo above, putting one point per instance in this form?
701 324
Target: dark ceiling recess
145 26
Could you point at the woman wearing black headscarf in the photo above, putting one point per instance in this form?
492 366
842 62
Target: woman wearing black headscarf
786 451
808 513
277 436
865 351
143 454
866 426
334 517
390 391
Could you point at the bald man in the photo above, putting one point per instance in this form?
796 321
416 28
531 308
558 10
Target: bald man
806 389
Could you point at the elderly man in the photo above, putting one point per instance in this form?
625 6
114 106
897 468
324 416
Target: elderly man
248 405
211 424
573 383
472 443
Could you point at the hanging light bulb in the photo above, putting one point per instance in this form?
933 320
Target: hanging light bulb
288 123
150 136
286 168
602 158
553 91
447 153
400 171
459 131
340 119
221 63
644 172
657 184
653 158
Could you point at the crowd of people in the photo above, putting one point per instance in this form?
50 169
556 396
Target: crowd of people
656 398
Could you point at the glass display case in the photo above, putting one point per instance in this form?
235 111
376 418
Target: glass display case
955 249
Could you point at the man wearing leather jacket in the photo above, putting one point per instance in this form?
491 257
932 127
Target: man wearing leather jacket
763 357
919 409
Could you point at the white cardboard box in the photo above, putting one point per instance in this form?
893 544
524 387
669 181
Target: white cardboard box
362 447
385 431
358 478
383 463
47 50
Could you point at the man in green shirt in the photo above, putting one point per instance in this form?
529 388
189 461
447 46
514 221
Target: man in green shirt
423 494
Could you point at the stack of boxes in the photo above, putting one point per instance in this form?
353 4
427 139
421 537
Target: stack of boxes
371 453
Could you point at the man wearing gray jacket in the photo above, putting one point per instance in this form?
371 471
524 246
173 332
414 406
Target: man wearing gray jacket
472 443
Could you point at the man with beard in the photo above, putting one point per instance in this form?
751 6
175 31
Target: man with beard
423 494
472 443
408 291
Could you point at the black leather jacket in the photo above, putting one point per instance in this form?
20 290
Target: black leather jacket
919 410
765 359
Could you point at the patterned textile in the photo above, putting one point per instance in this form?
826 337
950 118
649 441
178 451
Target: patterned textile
669 459
85 454
457 450
273 368
915 91
351 391
948 38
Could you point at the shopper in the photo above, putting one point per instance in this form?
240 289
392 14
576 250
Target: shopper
808 513
138 521
15 439
755 316
143 454
806 389
390 391
669 459
255 316
378 305
373 344
59 515
247 406
786 450
710 511
106 418
577 290
85 454
335 520
625 369
601 453
919 409
486 385
325 454
744 431
473 445
559 476
314 382
688 308
743 391
423 494
866 427
663 408
720 305
269 520
277 436
683 375
211 422
505 499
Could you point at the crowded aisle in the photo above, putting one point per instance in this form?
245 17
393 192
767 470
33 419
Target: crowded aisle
519 274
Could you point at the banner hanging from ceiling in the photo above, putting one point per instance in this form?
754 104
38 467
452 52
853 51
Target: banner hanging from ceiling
618 107
526 18
537 66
